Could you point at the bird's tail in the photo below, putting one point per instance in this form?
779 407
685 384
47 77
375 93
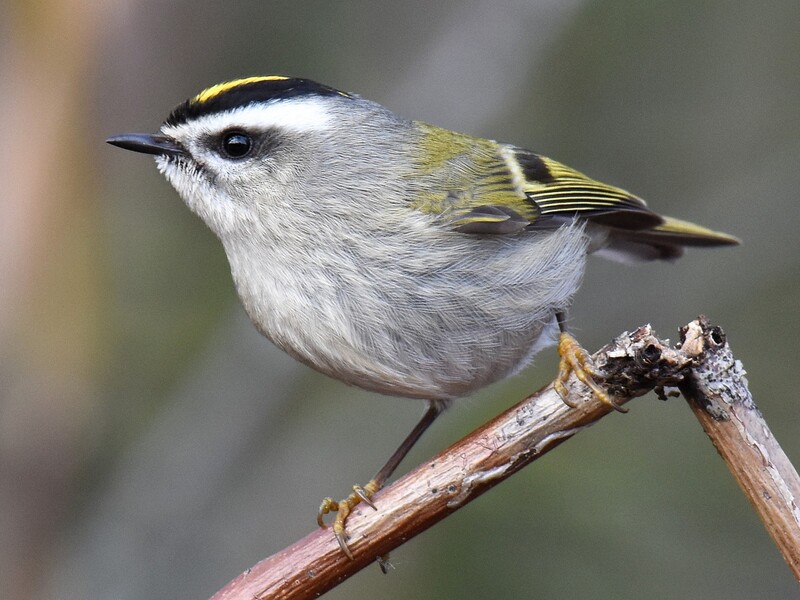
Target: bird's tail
665 241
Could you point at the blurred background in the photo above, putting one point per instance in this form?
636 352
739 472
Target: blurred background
153 445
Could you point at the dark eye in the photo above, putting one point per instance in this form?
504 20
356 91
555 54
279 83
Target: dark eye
236 144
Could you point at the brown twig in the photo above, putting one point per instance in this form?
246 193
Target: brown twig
458 475
634 363
716 389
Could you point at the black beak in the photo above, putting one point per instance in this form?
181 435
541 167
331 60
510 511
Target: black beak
148 144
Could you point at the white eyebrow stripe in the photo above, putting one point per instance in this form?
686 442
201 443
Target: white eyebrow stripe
296 114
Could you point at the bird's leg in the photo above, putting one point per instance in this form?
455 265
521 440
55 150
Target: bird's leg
364 494
574 359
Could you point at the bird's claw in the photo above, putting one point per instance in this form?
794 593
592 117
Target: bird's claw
343 508
574 359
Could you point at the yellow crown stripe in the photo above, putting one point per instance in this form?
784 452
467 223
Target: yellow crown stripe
220 88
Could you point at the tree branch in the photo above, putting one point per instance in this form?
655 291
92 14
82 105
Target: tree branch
634 363
716 390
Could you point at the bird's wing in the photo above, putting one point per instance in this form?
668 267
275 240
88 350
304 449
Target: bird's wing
559 191
511 189
555 193
481 187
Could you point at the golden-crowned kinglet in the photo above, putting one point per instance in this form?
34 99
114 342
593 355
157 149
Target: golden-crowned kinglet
391 254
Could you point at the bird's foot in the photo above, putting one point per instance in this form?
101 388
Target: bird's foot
574 359
342 508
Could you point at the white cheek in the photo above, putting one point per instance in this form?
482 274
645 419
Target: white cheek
222 215
231 195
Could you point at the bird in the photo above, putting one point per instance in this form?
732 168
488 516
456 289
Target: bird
392 254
